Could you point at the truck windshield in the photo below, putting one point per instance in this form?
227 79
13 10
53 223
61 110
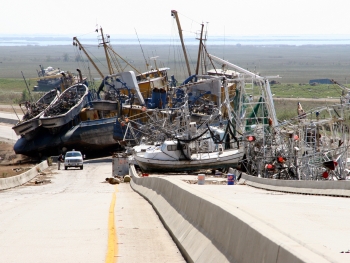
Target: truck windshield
73 154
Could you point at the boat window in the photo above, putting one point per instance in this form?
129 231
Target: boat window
171 148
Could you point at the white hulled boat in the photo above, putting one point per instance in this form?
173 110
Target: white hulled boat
30 120
66 108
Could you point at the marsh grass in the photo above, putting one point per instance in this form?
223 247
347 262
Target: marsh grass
287 108
306 91
9 97
296 65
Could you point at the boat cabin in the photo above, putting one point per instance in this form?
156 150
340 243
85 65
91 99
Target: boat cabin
168 151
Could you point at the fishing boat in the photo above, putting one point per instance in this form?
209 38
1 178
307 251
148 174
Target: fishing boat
97 122
184 145
173 156
52 78
121 94
65 108
30 121
122 99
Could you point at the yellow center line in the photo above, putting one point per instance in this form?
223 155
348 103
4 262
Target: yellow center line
112 249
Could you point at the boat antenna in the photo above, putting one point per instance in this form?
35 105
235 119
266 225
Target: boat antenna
155 61
224 49
204 44
143 54
15 112
199 49
30 94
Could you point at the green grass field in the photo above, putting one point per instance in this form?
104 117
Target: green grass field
295 65
292 90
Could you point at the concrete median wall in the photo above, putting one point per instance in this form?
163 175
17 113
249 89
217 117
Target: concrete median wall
334 188
210 230
14 181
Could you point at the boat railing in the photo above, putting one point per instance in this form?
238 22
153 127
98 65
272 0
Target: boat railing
97 122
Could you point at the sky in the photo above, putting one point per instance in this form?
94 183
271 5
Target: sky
222 18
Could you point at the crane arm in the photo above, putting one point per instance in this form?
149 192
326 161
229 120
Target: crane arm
340 85
77 43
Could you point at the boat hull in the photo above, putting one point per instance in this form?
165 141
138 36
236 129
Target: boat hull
94 138
94 134
62 119
229 158
26 126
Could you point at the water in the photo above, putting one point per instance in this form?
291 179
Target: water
156 40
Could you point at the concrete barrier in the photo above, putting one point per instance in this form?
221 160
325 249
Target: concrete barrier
210 230
333 188
17 180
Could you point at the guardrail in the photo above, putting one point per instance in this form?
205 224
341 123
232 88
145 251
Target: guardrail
17 180
311 187
210 230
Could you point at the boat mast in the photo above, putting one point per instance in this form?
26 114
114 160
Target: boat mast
199 49
174 14
104 43
16 112
30 94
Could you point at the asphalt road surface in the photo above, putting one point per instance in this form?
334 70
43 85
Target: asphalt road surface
6 133
77 217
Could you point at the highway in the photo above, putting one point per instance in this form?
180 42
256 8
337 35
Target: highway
319 223
80 218
7 120
6 133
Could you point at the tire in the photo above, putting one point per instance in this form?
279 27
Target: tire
81 167
65 168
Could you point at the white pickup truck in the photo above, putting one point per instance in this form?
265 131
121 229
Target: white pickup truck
73 159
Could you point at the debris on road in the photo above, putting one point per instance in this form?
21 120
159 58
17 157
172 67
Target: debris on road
113 180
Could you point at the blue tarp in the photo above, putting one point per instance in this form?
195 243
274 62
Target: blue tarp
320 81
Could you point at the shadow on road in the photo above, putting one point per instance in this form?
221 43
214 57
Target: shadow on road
99 160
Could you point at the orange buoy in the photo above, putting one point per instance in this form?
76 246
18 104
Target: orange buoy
280 159
325 175
270 166
251 138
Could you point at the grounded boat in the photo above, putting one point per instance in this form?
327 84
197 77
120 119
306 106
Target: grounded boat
97 123
173 156
30 121
92 129
66 108
184 145
50 78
